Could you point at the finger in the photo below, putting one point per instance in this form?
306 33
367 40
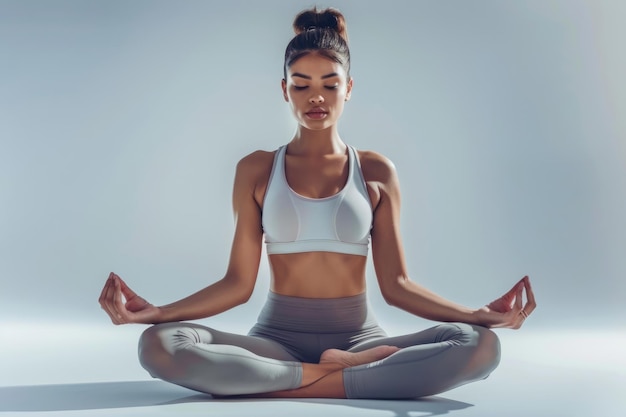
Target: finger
120 309
518 298
531 304
107 293
527 309
113 317
128 293
112 299
513 291
107 303
104 288
511 295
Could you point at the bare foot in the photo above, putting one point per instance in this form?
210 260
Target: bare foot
344 359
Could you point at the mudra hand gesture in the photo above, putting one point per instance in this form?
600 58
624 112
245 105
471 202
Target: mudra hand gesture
509 311
123 305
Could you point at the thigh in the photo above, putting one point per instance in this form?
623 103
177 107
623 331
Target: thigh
435 334
429 362
174 336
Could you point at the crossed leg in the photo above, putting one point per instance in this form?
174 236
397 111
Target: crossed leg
224 364
427 363
227 364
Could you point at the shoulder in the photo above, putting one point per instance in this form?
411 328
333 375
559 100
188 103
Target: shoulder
255 165
377 167
256 160
252 174
379 173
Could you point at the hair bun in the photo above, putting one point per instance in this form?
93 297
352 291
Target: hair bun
326 19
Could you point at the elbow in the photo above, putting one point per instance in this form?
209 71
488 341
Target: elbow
389 300
238 289
394 288
244 295
387 296
244 292
241 294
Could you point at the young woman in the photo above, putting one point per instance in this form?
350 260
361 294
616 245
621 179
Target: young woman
317 202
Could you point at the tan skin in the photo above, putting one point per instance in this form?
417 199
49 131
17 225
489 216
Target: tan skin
316 166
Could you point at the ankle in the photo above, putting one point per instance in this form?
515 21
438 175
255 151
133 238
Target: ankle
313 372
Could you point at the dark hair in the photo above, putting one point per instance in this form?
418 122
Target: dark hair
322 32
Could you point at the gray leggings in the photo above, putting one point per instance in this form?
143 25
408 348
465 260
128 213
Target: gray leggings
292 330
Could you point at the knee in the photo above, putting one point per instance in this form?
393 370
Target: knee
487 349
151 350
482 344
157 346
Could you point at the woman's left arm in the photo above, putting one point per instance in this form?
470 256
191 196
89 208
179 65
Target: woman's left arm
395 284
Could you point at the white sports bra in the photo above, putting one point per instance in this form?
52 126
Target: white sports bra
294 223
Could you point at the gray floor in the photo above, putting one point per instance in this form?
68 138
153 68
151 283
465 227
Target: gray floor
70 370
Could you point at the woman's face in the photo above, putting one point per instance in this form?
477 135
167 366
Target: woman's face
316 89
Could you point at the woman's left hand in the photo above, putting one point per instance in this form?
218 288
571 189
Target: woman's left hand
509 311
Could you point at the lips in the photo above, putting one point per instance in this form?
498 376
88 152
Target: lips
317 113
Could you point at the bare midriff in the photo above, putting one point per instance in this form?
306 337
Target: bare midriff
317 274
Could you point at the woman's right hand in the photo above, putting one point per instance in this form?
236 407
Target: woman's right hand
123 305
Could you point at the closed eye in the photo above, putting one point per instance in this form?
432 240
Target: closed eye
328 87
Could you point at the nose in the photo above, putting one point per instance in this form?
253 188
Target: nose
316 99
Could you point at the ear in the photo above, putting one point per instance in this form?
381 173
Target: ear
283 85
349 89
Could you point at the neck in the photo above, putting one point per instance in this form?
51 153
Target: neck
316 142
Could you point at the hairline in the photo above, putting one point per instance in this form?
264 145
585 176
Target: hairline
326 53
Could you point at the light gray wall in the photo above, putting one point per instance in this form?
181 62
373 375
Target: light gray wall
121 123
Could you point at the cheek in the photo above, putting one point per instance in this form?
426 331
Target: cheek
343 95
297 106
342 98
299 103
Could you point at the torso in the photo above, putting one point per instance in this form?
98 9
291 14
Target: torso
315 274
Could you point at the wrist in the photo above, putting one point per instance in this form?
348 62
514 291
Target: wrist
162 315
479 317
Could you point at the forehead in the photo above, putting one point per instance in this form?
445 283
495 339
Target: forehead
316 66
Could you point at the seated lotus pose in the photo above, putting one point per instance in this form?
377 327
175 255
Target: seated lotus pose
317 203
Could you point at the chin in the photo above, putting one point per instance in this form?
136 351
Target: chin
321 125
318 128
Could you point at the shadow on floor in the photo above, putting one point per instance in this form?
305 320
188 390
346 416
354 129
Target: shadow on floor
109 395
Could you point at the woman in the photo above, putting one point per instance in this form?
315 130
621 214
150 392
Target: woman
317 202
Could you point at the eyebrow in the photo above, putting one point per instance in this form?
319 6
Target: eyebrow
308 77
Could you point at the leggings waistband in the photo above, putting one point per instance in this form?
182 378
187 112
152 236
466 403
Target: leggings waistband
317 315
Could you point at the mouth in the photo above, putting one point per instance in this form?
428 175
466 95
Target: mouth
317 113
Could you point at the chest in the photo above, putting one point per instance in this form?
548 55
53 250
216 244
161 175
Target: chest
316 177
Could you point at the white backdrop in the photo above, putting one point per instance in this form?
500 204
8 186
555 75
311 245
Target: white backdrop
121 124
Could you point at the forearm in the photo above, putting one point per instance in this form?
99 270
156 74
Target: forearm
422 302
214 299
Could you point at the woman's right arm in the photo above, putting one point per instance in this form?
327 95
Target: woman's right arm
124 306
